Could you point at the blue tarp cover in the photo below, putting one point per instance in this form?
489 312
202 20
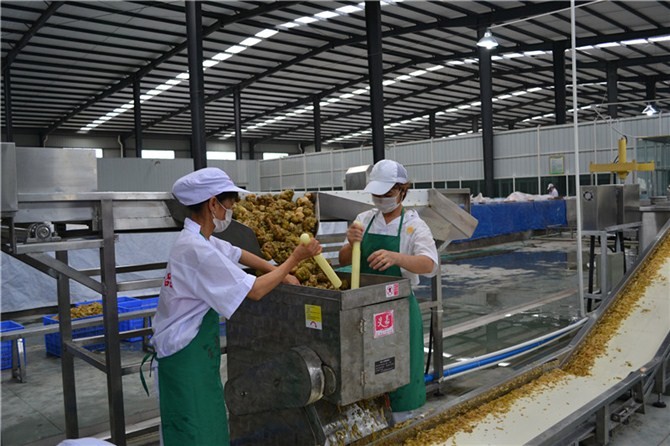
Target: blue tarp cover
507 218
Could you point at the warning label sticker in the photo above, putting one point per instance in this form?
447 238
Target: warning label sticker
384 324
313 317
392 290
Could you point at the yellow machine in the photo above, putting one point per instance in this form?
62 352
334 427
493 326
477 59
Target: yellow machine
621 167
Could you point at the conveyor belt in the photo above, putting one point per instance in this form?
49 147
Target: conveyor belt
553 408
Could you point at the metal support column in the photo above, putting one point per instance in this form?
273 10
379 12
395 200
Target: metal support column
475 124
252 149
650 89
317 123
612 89
431 125
137 109
237 110
111 326
9 125
558 52
373 30
436 327
67 358
196 84
486 94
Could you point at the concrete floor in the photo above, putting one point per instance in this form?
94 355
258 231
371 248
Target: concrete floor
494 280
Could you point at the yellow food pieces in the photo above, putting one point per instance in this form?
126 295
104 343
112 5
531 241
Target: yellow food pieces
92 309
278 222
497 402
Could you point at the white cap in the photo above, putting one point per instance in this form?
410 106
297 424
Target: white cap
84 442
386 174
203 184
550 186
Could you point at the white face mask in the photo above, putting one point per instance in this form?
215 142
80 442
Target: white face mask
221 225
386 204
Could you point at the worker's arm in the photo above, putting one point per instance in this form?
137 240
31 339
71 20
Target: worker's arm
252 261
267 282
382 260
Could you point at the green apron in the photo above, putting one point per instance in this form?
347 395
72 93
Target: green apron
193 409
413 395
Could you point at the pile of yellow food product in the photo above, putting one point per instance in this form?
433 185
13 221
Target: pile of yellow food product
92 309
465 417
278 222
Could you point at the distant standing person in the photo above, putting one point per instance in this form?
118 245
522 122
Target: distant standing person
551 190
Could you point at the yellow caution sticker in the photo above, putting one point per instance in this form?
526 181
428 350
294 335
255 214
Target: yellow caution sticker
313 317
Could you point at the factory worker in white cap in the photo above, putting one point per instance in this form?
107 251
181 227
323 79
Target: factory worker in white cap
396 242
202 281
552 191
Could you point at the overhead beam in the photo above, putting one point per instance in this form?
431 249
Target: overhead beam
220 23
46 15
468 21
437 59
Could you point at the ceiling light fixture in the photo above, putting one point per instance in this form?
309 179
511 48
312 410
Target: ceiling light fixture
650 110
488 41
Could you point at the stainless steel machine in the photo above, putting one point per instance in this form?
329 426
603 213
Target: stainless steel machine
338 367
305 364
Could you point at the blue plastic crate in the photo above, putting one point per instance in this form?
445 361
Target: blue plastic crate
135 324
6 349
53 341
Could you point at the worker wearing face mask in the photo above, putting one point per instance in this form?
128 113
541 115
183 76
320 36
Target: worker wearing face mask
396 242
202 281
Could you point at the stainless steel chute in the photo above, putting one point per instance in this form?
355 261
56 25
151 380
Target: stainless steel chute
446 219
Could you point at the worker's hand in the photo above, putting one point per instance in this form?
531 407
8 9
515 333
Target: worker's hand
291 280
382 260
354 233
304 252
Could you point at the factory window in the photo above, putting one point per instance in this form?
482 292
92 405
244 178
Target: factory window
216 155
439 185
453 185
475 186
273 155
503 188
158 154
425 185
98 152
526 185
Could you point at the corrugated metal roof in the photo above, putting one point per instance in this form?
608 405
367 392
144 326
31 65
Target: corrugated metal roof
79 65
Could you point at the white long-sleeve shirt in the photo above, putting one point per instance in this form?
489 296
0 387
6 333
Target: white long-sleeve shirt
201 274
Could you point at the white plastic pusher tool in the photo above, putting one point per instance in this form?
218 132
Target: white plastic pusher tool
323 264
356 262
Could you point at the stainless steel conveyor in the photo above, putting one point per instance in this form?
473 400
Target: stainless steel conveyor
50 205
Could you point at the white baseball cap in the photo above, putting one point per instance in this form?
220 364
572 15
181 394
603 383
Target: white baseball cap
384 175
203 184
550 185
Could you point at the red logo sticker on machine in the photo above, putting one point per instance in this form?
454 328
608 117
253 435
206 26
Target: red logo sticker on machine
392 290
384 324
